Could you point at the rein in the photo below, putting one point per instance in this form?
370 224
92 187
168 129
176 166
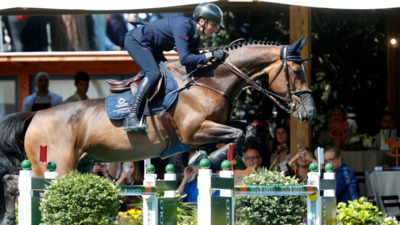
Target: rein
290 104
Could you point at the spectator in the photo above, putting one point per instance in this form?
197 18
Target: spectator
130 175
116 29
346 182
338 133
17 24
34 34
42 98
188 186
252 160
280 148
101 170
299 164
179 161
387 126
82 85
102 41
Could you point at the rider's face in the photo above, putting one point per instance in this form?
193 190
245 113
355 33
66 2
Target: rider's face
209 27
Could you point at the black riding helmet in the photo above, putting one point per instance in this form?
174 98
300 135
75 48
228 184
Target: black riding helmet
208 11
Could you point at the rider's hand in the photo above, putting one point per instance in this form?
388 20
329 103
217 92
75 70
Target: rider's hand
219 54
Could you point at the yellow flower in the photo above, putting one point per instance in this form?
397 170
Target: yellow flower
131 212
120 213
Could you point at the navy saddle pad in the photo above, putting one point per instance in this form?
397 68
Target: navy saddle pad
119 106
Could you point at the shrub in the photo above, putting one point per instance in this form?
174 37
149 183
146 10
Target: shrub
80 199
270 209
358 212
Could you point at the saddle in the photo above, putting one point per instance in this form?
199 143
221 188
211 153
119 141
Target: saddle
120 86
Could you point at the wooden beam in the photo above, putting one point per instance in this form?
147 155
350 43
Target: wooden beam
300 25
24 65
393 59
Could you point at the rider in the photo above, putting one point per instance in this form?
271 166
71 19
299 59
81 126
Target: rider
146 44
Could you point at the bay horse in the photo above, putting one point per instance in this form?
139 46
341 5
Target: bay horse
200 115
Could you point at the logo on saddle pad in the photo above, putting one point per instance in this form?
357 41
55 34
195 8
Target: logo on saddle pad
122 106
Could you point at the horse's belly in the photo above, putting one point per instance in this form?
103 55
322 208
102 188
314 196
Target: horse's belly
119 145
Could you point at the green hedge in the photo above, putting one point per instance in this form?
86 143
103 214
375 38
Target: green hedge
80 199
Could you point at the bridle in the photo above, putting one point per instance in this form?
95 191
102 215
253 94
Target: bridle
289 105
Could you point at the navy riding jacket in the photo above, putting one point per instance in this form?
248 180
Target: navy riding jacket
164 34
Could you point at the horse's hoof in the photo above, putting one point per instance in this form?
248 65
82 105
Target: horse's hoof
195 158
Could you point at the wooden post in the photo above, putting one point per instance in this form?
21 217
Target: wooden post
24 87
300 25
393 59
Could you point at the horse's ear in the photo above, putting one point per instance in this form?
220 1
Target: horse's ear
297 45
303 42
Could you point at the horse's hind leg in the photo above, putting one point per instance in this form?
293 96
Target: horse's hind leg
59 150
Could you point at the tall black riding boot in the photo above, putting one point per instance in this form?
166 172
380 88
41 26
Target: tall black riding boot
132 121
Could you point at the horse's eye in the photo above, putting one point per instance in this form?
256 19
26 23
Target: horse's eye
297 72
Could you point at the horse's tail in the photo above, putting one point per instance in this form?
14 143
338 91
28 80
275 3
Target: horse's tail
12 133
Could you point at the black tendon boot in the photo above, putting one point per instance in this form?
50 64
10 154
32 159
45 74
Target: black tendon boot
132 121
218 156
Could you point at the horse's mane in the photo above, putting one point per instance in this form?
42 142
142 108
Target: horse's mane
240 44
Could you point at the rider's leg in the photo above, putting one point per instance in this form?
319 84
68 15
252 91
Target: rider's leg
132 121
149 68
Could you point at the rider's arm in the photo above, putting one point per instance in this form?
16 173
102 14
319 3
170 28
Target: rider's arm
184 33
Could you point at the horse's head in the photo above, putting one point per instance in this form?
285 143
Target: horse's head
282 67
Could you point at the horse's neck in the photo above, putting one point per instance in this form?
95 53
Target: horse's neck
250 60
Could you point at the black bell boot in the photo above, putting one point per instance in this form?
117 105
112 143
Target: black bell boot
218 156
132 121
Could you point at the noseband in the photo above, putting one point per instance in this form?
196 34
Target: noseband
289 105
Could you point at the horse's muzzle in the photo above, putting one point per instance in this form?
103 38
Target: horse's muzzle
306 110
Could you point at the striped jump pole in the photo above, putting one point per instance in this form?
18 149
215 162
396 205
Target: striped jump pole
214 210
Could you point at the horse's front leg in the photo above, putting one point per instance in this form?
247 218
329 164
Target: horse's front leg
211 132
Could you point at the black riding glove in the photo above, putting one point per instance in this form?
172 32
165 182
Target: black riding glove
219 54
